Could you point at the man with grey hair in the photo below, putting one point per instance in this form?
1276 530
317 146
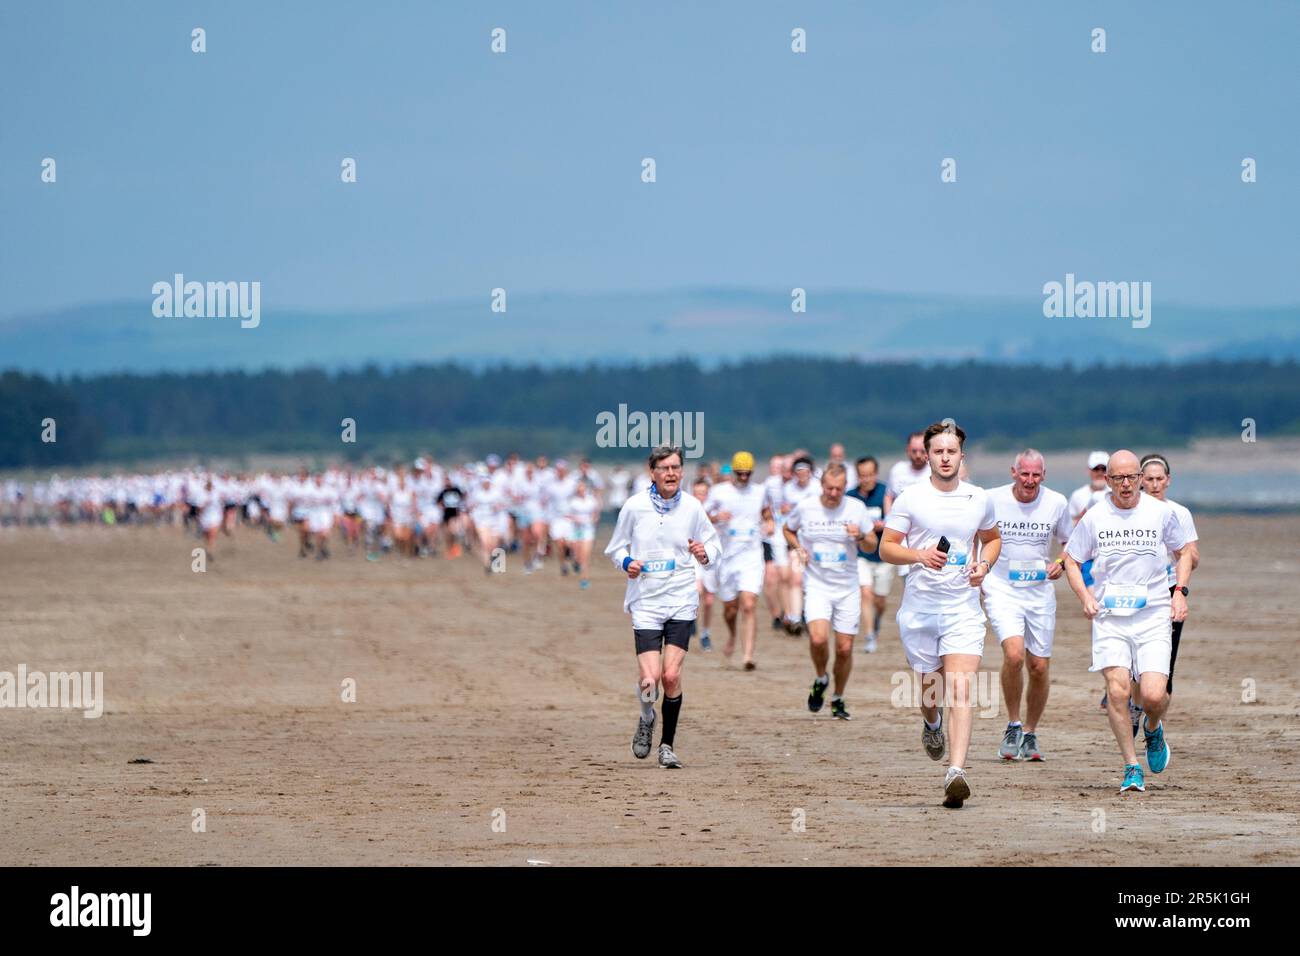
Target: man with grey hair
1020 598
659 532
1127 535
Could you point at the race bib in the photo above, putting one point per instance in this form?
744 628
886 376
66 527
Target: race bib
1172 574
742 533
1023 574
957 558
874 513
829 556
1124 599
659 562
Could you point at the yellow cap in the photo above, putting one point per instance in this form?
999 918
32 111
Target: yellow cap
742 461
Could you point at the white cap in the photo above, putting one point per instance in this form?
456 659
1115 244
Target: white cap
1097 458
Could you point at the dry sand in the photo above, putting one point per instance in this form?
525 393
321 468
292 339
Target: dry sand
511 698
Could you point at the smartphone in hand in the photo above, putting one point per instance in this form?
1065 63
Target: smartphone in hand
944 544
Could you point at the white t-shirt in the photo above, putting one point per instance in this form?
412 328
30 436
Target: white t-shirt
1128 548
1083 498
902 476
925 514
832 555
792 494
745 505
1027 531
659 542
1189 532
584 511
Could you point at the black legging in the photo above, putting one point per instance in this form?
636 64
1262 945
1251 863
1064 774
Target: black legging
1173 654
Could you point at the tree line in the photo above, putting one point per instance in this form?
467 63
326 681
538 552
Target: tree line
763 404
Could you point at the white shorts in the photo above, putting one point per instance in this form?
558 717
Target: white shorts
708 575
1035 623
652 619
561 529
877 575
844 611
740 572
430 516
583 532
320 520
928 635
780 550
1142 643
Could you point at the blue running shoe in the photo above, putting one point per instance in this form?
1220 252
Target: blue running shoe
1133 779
705 643
1157 749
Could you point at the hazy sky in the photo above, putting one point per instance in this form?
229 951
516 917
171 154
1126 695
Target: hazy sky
522 170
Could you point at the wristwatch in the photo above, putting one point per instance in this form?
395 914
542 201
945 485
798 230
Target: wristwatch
1182 588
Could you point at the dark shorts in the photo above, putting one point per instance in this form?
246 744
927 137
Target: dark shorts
1175 633
449 513
767 552
675 632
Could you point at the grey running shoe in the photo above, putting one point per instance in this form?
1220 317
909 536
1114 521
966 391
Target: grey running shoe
1135 717
1029 748
1011 740
956 790
667 759
935 743
643 739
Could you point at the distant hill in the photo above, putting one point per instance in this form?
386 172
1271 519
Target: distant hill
708 326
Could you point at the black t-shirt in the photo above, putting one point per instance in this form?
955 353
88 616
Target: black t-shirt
451 498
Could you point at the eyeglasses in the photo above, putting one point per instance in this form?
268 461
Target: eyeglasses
668 467
1123 479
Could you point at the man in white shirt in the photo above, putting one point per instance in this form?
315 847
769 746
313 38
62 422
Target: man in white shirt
935 525
657 534
739 512
1020 597
1128 535
1085 496
804 483
826 532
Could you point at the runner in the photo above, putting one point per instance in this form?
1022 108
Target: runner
875 577
706 577
775 559
1127 534
738 509
826 531
1155 482
1085 496
1020 597
802 485
657 533
903 474
940 621
583 510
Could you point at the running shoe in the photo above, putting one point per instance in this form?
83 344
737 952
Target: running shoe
1029 747
644 737
1157 748
838 711
956 790
584 584
869 643
705 643
1011 741
776 624
934 741
667 759
816 696
750 665
1103 705
1133 779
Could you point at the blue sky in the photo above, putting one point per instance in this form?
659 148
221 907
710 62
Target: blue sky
522 170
